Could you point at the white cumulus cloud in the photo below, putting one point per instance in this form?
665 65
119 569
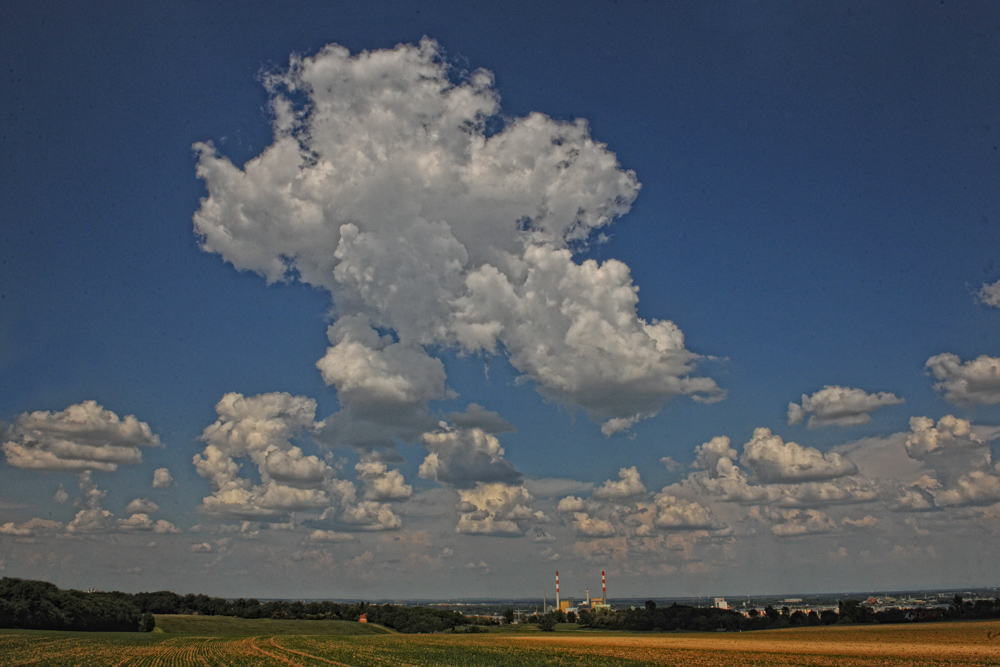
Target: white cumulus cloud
629 485
30 528
790 475
380 482
795 523
387 189
495 509
81 437
976 381
839 406
961 459
989 294
260 428
773 460
673 513
162 479
142 506
465 457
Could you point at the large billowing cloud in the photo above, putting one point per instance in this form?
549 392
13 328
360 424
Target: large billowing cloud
787 474
774 460
81 437
964 473
436 223
974 381
839 406
261 428
622 509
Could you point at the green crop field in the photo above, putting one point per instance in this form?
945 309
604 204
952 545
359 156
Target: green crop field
225 641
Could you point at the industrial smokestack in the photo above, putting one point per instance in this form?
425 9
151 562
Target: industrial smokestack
604 588
557 589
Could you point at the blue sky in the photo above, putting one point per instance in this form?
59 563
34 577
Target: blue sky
819 207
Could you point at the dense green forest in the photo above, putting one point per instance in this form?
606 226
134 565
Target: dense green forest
39 605
43 606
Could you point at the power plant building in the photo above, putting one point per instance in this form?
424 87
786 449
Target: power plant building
592 604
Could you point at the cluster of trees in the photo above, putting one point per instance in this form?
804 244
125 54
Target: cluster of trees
43 606
649 617
682 617
402 618
39 605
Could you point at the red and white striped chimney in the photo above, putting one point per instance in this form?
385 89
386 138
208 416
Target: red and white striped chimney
604 588
557 589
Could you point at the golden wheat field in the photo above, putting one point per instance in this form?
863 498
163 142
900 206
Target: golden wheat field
971 643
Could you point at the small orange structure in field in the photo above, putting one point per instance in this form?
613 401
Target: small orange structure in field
363 618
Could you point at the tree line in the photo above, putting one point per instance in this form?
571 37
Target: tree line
683 617
397 617
40 605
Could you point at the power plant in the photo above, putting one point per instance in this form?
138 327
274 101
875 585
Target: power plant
566 605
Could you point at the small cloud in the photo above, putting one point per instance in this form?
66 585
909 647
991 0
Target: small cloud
367 515
143 522
619 424
572 504
162 479
989 294
476 416
549 487
674 513
61 496
202 548
538 535
629 485
329 536
671 464
381 483
141 506
865 522
796 523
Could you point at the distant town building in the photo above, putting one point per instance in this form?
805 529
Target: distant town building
720 603
363 618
